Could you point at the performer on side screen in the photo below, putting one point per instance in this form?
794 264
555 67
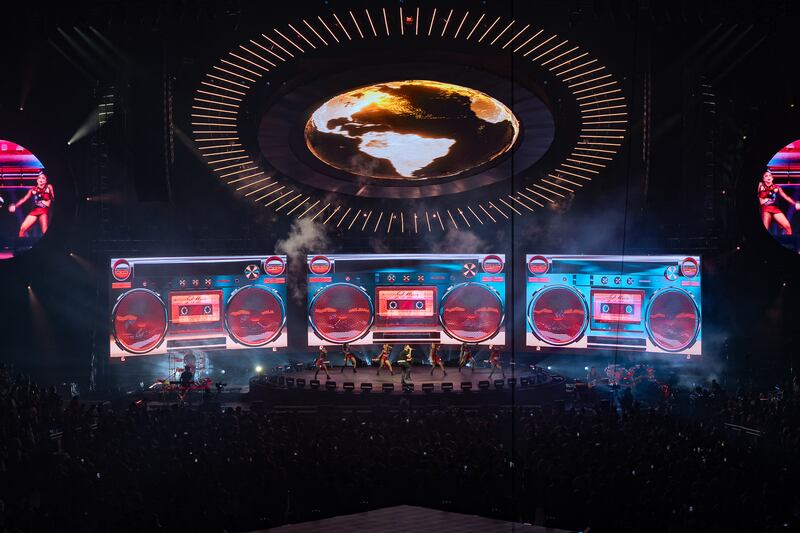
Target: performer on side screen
383 359
322 362
42 194
768 198
435 359
494 360
465 357
349 358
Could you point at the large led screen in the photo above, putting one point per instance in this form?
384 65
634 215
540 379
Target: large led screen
170 304
779 196
375 299
26 200
633 303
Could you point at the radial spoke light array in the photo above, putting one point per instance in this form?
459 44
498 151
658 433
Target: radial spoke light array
218 103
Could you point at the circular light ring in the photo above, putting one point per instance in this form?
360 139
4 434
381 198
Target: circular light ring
689 267
672 319
274 266
341 313
492 264
319 265
121 269
558 315
250 315
139 321
217 106
538 265
471 312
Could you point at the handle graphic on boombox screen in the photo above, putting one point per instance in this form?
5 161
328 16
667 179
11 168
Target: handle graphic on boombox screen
341 313
558 315
254 315
139 321
672 319
471 312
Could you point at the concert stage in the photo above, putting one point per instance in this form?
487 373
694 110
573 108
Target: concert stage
467 386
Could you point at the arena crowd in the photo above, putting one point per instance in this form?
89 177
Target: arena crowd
686 465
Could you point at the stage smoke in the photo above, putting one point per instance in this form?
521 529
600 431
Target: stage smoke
305 236
459 242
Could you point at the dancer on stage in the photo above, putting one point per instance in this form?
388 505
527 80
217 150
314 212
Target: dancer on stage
383 359
494 360
435 359
322 362
349 357
43 195
768 196
405 363
465 357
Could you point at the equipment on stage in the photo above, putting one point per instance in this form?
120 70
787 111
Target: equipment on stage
167 304
634 303
420 298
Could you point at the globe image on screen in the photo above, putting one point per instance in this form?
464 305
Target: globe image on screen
410 130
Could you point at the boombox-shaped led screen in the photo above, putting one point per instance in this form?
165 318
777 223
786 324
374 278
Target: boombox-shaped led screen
636 303
372 299
159 305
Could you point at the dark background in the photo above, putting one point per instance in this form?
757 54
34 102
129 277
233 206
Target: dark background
711 100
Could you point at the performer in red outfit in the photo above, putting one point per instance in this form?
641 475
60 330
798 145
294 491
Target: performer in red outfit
322 362
494 360
435 359
383 359
43 195
768 196
466 357
349 358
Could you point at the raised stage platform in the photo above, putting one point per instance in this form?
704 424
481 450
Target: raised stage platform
366 385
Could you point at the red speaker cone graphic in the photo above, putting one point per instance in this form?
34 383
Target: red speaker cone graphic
558 315
254 315
139 321
673 320
341 313
471 312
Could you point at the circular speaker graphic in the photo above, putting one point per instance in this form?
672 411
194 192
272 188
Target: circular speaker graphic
254 315
471 312
672 320
139 321
341 313
558 315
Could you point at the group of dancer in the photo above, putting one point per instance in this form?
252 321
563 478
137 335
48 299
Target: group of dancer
466 359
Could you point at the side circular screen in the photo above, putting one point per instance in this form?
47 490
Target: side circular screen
139 321
341 313
778 195
254 316
26 200
471 312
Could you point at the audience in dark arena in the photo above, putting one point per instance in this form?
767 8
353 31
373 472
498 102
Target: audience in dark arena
668 468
